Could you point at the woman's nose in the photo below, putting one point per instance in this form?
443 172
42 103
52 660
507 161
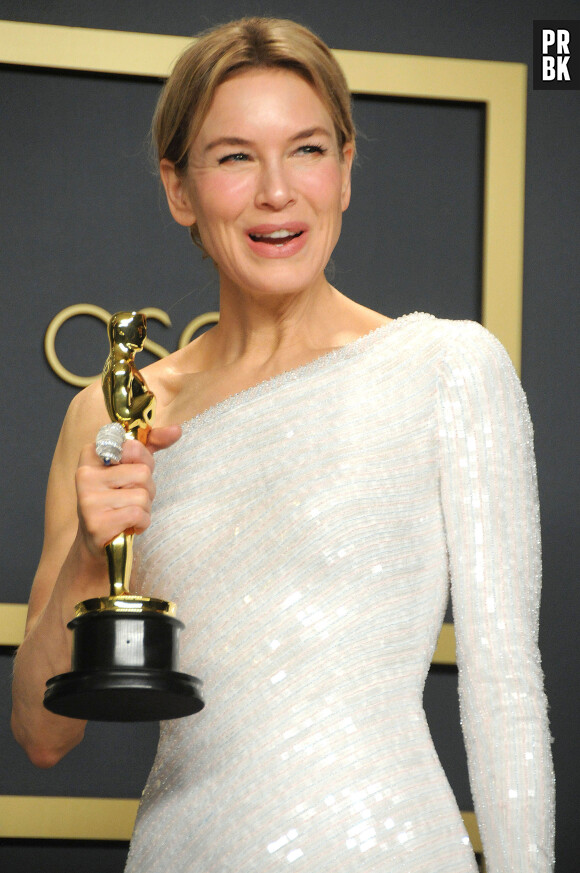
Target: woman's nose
274 187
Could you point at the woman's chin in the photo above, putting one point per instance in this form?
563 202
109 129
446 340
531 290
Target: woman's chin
276 279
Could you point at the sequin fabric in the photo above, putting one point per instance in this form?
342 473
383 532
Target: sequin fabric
307 529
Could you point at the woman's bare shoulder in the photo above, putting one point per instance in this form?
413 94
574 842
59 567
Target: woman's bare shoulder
165 376
372 320
357 320
85 415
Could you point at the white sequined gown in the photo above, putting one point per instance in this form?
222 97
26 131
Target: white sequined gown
307 529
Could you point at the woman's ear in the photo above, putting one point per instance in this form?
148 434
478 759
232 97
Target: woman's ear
347 158
176 193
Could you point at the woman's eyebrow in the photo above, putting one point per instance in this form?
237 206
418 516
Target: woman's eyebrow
312 131
229 141
246 143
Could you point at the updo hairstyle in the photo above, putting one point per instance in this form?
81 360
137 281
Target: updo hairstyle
219 53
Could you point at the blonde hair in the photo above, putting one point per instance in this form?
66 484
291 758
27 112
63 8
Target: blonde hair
221 52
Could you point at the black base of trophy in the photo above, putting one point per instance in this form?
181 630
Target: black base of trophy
124 670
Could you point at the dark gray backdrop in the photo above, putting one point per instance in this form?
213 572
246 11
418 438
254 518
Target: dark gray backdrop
83 221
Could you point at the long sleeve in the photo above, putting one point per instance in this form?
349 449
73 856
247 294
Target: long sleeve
490 505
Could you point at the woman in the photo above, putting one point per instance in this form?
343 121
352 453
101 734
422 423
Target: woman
335 468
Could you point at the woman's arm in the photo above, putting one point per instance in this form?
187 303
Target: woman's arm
491 512
87 505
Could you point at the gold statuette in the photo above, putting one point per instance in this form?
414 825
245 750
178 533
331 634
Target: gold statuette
125 646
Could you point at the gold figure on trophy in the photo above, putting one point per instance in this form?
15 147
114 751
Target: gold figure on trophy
127 398
124 656
129 402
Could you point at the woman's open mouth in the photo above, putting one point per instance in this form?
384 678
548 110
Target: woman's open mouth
277 242
276 238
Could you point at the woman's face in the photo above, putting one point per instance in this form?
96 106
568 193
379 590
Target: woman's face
266 183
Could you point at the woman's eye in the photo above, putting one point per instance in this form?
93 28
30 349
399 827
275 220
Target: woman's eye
312 150
234 158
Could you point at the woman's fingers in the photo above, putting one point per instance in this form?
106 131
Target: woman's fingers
118 497
163 437
115 486
135 452
110 502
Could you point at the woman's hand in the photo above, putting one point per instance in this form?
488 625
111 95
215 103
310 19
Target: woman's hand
113 499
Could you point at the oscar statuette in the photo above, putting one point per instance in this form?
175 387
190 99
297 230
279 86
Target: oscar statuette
125 647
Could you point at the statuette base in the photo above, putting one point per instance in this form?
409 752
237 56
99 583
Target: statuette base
124 669
124 695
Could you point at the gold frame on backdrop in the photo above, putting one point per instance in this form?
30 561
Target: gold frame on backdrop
95 818
499 86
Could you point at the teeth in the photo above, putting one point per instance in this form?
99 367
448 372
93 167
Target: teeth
276 234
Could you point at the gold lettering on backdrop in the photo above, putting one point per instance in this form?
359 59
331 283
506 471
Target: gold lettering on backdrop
194 325
101 314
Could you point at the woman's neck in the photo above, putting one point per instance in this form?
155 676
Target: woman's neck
259 329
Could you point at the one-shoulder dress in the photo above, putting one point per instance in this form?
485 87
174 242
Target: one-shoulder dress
309 530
